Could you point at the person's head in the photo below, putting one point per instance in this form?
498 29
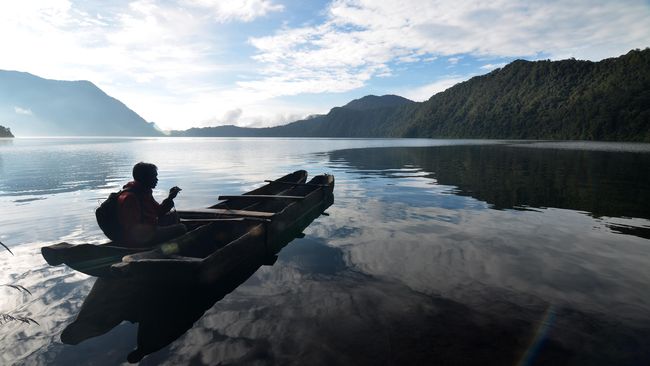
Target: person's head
146 174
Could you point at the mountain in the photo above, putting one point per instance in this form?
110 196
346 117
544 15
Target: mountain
42 107
374 102
360 117
5 132
567 99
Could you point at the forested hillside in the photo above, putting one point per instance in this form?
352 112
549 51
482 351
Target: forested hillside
5 132
568 100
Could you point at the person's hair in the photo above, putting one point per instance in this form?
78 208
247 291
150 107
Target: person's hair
143 171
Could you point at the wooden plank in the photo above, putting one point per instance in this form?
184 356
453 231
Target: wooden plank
229 219
225 212
209 219
296 184
262 197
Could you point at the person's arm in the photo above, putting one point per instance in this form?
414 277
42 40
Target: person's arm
168 203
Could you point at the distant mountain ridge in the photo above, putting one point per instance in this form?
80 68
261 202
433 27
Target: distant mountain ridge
356 117
373 102
567 99
36 106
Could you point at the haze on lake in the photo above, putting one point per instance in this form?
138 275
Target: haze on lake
434 252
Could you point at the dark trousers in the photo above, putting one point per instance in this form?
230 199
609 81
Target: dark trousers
169 227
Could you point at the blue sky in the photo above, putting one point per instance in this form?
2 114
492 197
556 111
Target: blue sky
185 63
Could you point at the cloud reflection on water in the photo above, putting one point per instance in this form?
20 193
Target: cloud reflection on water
440 240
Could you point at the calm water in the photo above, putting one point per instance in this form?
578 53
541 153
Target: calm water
435 252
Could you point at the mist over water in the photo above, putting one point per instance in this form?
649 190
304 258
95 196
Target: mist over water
435 251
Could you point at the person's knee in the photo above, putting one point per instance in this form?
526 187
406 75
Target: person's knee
176 230
182 229
164 233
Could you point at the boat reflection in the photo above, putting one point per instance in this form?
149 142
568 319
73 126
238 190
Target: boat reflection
163 312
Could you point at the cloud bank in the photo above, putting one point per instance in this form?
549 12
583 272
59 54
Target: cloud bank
180 62
362 39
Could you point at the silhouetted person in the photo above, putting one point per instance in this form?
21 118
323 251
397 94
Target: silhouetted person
144 221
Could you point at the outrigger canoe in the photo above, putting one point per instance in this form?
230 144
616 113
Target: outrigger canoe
253 226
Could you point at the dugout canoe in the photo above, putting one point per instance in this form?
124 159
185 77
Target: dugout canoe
239 229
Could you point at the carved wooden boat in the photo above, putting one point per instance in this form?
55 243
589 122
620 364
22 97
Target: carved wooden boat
249 227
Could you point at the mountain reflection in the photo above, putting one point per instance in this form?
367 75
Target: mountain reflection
613 184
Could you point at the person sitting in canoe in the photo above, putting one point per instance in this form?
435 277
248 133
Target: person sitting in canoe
143 220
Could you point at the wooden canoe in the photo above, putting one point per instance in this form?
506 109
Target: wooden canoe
221 237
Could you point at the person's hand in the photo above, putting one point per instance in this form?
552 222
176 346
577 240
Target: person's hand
173 192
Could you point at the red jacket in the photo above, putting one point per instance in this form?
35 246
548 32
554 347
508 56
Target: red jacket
139 223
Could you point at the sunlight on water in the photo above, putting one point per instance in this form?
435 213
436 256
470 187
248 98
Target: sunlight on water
432 247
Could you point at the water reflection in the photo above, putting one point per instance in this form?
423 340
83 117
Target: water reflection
314 257
314 310
308 309
41 171
163 312
449 255
613 184
641 231
421 216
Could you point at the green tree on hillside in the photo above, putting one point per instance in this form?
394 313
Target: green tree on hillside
5 132
568 99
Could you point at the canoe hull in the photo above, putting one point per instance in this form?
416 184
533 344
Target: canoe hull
260 242
221 237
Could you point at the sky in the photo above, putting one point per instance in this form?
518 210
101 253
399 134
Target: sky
256 63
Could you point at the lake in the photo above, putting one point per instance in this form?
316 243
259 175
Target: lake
473 252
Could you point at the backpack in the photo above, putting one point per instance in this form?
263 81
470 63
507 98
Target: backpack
107 215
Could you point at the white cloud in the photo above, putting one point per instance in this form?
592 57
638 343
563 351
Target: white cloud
206 109
493 66
242 10
25 111
425 92
230 117
165 59
143 41
362 38
272 113
158 58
